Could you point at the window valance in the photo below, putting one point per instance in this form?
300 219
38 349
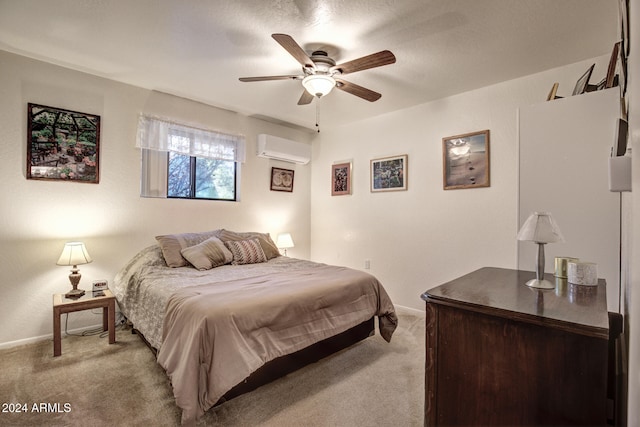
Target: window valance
163 135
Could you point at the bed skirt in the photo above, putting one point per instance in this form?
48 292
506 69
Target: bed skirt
289 363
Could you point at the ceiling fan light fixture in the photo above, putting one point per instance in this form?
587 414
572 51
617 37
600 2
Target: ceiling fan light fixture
318 84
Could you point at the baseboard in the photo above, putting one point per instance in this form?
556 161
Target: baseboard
25 341
415 310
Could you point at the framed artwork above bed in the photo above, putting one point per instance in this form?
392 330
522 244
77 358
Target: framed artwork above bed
282 179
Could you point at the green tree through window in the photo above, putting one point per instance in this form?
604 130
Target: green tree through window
200 178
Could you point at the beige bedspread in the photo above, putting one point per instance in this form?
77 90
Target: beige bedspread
215 336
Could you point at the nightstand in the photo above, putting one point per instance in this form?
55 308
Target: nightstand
61 304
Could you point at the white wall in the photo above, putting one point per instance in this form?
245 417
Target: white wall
633 290
38 217
422 237
564 150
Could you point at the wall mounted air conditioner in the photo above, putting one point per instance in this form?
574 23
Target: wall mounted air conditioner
273 147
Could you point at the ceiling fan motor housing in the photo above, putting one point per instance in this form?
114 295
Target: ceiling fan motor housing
322 62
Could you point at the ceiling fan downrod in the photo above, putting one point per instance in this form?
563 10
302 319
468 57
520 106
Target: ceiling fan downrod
318 115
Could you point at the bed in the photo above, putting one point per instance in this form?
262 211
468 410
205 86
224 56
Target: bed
225 312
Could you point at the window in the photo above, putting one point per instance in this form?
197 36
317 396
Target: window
184 162
200 178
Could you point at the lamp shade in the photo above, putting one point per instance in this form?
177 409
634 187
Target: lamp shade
540 227
284 241
318 84
74 253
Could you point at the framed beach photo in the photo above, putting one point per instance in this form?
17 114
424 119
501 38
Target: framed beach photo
282 180
465 160
341 179
62 145
389 173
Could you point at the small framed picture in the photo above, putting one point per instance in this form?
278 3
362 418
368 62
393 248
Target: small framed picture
282 180
389 173
62 145
613 63
583 82
465 160
553 92
341 179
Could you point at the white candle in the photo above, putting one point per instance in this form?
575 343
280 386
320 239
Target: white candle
583 273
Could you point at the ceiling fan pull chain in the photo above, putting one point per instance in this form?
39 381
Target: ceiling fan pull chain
318 115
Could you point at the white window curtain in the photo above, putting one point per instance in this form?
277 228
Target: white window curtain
159 134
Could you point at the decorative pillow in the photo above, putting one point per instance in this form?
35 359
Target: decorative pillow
208 254
246 251
268 247
172 244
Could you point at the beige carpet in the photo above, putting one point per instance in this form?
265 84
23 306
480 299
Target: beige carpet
370 384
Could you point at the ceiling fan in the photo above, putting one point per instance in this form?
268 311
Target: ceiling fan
321 73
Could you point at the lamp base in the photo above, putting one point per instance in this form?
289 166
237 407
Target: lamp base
74 293
74 278
540 284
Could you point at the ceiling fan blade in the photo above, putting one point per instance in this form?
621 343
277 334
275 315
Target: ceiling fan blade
265 78
356 90
290 45
379 59
305 98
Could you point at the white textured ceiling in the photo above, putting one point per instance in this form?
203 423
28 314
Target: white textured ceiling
198 49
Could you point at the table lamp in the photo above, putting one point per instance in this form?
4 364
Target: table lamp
74 253
284 241
540 228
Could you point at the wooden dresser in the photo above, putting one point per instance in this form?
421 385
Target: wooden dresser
501 353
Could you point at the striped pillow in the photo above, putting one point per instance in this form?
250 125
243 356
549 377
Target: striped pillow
266 243
246 251
208 254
